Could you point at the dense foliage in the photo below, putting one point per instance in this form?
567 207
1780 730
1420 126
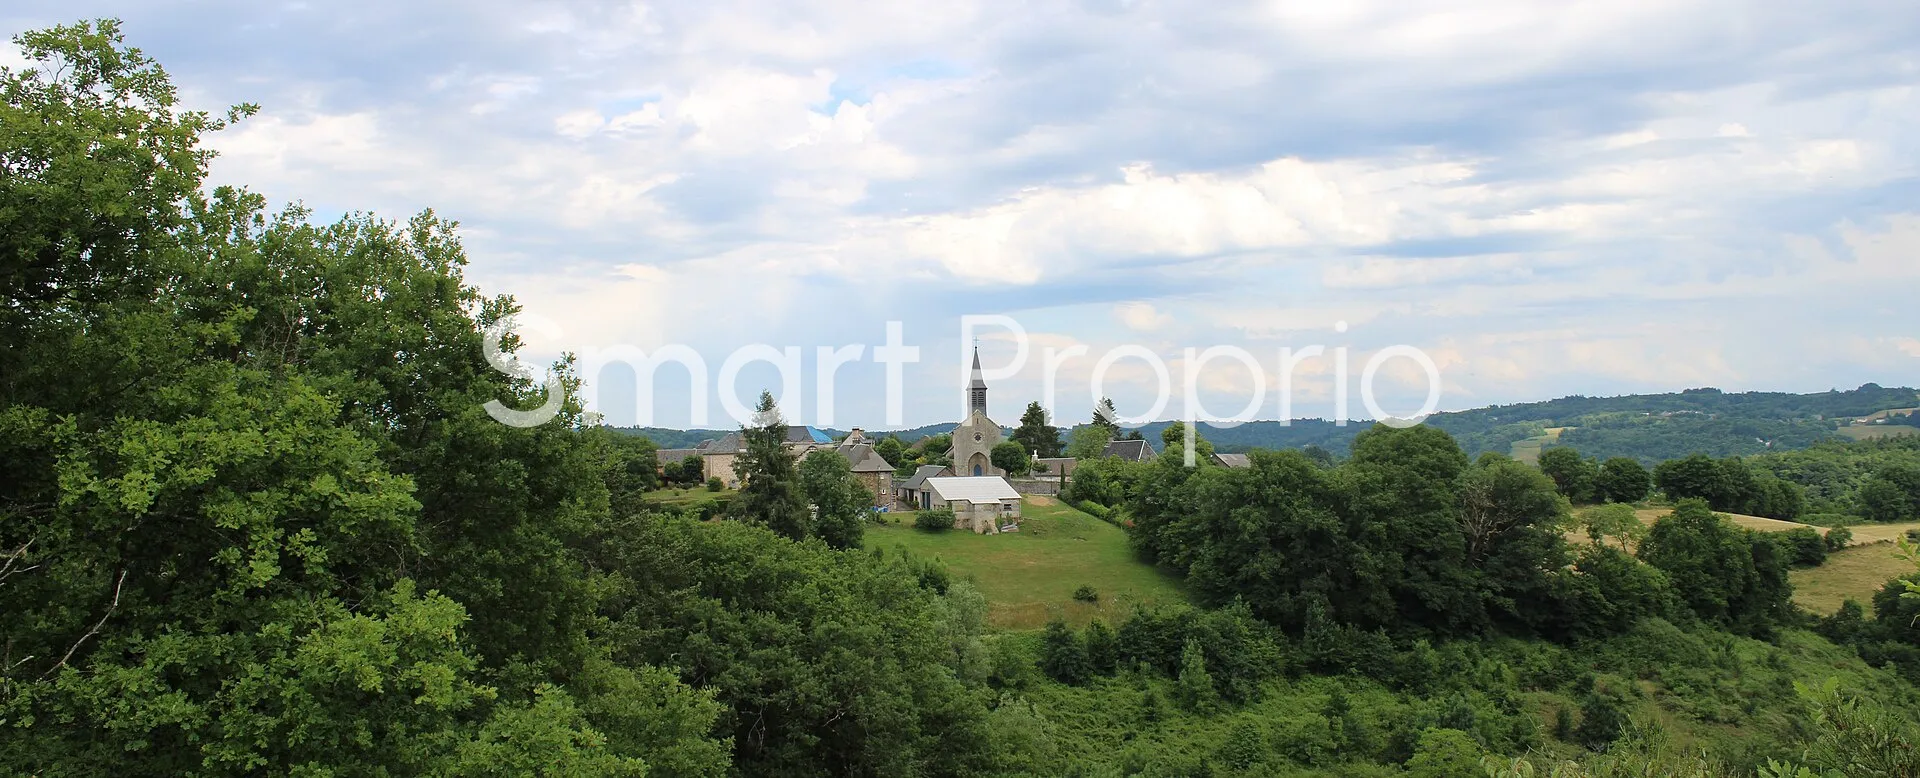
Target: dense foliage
257 515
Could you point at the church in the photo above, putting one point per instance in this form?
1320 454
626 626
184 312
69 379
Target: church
976 435
981 498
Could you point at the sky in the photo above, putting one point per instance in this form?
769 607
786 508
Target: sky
1543 198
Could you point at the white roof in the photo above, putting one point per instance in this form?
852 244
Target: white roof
986 488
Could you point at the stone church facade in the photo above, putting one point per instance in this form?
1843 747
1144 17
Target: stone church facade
975 437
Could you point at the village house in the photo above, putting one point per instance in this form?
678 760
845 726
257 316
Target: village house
1130 450
983 504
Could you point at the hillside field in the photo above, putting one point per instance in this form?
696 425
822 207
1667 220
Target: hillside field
1029 575
1854 572
1877 431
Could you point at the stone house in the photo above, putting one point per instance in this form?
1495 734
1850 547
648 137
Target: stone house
1232 460
1130 450
718 456
913 493
872 470
979 503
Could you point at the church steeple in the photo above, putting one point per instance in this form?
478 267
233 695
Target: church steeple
977 389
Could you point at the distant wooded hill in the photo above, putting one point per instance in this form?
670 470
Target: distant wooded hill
1647 427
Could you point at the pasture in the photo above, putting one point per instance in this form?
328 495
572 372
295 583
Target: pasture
1855 572
1528 450
1876 431
1030 575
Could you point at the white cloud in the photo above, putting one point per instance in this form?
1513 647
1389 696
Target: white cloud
1141 317
1541 194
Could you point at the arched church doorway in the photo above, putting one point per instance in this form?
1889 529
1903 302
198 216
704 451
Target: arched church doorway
978 464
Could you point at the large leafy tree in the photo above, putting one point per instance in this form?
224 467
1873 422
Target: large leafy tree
253 513
1512 518
1011 457
840 501
1622 479
1730 577
829 663
1034 433
1575 476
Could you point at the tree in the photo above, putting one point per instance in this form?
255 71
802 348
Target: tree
776 630
1512 519
770 489
1088 441
1838 538
840 501
1574 475
1445 753
1063 657
890 449
1618 521
1603 719
1035 434
1728 576
1107 418
1892 493
1173 442
1804 546
250 490
1623 479
1193 688
1102 650
1696 476
1011 457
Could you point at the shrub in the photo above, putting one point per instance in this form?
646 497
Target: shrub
1086 594
714 484
1804 547
936 520
1063 655
1444 753
1838 538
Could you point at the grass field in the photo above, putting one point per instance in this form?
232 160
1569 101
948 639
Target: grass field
1875 431
1030 575
1528 450
1854 572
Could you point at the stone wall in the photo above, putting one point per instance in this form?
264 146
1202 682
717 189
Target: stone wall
881 484
1035 485
980 518
721 465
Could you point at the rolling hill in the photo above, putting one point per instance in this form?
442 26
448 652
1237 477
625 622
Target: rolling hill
1646 427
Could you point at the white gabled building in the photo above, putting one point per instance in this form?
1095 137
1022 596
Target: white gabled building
979 503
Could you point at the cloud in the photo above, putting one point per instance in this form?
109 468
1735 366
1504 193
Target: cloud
1548 197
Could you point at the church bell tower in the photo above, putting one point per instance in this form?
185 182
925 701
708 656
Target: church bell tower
977 389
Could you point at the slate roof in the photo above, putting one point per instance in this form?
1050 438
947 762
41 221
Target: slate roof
666 455
864 459
800 433
1130 450
985 488
1232 460
920 476
1056 466
730 443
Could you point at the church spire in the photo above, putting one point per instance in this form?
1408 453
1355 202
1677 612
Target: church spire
977 389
